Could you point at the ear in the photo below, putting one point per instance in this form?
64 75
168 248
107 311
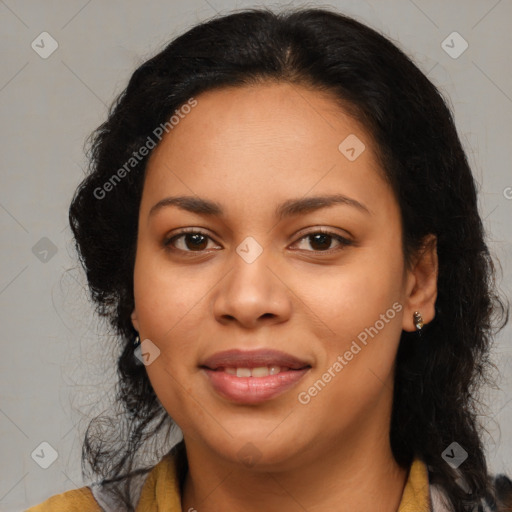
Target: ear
135 320
421 285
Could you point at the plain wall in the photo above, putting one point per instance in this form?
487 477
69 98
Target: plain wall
56 357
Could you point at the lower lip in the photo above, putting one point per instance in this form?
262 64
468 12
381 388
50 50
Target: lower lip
253 390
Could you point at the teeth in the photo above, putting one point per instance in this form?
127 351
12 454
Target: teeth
243 372
261 371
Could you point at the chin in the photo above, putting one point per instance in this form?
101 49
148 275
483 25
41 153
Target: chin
256 450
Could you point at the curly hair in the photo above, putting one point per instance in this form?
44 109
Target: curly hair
437 375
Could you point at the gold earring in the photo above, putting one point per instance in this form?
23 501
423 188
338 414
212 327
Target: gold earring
418 320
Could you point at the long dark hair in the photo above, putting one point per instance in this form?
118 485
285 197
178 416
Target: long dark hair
437 375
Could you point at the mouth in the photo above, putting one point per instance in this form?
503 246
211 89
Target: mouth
251 377
257 372
253 360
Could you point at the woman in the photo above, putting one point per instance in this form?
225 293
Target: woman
282 226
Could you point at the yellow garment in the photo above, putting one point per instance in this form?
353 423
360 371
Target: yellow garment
78 500
161 493
416 497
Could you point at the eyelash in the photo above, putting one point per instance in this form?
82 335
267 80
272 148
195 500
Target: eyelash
342 240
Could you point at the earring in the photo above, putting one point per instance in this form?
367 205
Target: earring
418 320
137 351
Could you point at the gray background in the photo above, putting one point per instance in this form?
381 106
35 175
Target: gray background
56 362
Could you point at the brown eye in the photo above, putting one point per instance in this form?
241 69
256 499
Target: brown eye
320 241
196 240
188 241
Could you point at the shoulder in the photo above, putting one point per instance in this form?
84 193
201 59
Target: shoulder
154 488
101 498
77 500
501 486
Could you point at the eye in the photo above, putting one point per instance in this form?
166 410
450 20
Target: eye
193 240
321 240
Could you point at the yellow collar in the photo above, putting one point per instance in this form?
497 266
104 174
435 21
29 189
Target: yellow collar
161 489
415 497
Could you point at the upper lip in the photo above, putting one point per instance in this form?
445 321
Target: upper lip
253 359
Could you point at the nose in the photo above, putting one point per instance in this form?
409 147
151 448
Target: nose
253 293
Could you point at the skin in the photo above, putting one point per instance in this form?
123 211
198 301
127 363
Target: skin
249 149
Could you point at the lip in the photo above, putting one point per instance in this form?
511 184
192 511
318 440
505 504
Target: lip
252 359
253 390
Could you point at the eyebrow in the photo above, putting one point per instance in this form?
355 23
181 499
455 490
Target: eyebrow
288 208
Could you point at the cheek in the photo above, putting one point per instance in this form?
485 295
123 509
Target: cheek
355 374
364 316
170 314
357 293
177 395
165 297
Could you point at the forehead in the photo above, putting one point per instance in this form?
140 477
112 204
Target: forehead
263 141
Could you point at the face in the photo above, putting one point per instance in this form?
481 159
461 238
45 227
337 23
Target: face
266 267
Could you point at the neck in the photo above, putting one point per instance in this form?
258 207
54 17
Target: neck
355 474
